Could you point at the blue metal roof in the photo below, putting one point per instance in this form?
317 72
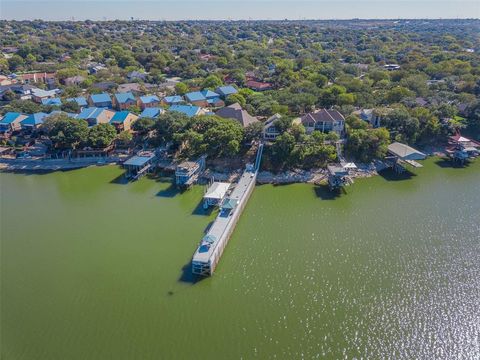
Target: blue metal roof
148 99
119 117
81 101
227 90
208 94
89 113
151 112
34 119
123 98
188 110
101 98
175 99
53 102
195 96
9 117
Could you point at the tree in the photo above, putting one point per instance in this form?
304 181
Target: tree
181 88
254 131
125 137
212 82
71 106
283 147
101 135
143 125
15 62
169 124
65 132
368 144
236 98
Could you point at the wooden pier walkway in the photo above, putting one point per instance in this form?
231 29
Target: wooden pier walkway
211 247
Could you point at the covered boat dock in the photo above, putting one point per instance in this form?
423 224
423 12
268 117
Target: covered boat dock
215 194
139 164
400 155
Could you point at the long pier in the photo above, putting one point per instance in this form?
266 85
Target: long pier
213 244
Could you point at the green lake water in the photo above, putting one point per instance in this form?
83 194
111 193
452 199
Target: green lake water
95 269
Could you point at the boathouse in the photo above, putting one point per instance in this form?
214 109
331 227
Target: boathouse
400 155
187 172
338 176
139 164
215 194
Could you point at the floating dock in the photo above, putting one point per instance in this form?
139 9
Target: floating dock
211 248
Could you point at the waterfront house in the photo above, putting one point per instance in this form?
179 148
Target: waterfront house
81 101
152 112
370 116
94 115
270 130
149 101
172 100
225 91
123 120
33 121
124 100
102 100
324 120
38 95
236 112
189 110
11 122
196 98
52 102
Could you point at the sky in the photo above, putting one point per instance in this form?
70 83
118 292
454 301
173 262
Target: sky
236 9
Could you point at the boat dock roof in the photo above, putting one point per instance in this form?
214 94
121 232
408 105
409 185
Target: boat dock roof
217 191
140 159
405 152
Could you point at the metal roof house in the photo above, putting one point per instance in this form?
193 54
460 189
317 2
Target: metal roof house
52 102
196 98
11 122
101 100
123 120
94 115
124 100
225 91
172 100
149 101
189 110
39 94
33 121
81 101
152 112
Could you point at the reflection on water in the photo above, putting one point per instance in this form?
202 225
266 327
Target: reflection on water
389 269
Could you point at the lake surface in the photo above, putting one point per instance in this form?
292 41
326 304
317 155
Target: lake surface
92 269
